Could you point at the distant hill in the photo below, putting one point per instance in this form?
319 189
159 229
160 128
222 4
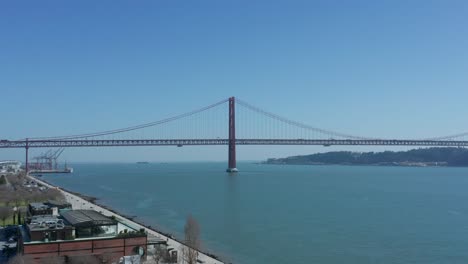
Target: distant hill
415 157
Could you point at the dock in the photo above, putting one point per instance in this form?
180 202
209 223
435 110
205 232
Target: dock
66 170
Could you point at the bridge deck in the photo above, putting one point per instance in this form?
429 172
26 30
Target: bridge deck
199 142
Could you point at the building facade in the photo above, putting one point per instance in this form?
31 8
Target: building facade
79 232
9 166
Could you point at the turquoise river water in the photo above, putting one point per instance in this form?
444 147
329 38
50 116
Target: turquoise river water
293 214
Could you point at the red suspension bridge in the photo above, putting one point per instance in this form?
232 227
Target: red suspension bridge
207 126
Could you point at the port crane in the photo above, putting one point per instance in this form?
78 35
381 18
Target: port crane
48 160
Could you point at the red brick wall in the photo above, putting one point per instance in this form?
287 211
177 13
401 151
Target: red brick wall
41 248
132 243
135 241
41 255
76 245
107 250
119 246
77 253
109 243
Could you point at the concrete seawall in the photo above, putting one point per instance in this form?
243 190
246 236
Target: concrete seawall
79 203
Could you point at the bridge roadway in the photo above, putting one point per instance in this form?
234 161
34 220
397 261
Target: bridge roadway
197 142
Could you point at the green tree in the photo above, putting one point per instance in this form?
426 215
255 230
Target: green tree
5 213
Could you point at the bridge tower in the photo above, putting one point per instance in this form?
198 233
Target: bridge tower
232 137
27 160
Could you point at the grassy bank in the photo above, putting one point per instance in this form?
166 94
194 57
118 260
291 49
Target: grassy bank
17 192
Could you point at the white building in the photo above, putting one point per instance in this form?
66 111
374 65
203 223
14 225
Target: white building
10 166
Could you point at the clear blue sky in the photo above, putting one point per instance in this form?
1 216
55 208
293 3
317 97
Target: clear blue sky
372 68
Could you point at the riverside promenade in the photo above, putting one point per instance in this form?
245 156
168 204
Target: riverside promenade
80 203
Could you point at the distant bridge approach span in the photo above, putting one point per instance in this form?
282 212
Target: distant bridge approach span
241 124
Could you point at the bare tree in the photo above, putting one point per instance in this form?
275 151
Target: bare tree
37 197
3 180
5 213
28 197
54 194
109 257
192 240
159 253
21 214
15 180
17 198
4 195
52 260
85 259
20 259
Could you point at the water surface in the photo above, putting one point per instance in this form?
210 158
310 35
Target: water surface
294 214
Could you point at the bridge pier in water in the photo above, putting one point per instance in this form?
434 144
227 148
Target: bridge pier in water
232 137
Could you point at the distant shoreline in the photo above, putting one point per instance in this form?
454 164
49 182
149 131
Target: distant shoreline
428 157
367 165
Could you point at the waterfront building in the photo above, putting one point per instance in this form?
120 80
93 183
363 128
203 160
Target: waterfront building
47 228
88 223
39 209
79 232
9 166
51 207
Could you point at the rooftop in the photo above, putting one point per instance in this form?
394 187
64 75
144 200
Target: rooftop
39 206
45 222
49 204
15 162
87 218
56 203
